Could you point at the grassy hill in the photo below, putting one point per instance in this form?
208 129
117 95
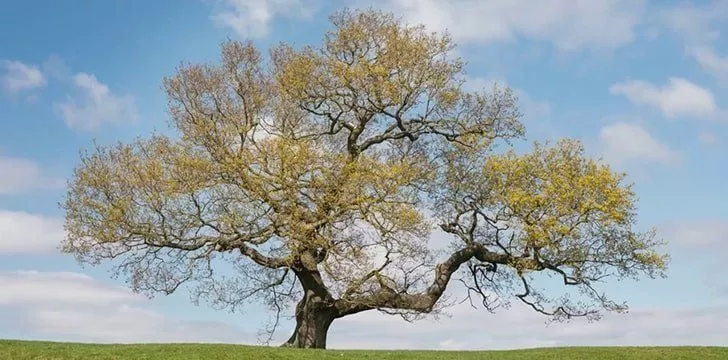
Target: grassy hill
22 350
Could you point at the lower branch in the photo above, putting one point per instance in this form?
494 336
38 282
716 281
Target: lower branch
424 302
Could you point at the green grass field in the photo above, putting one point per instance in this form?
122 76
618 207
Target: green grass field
25 350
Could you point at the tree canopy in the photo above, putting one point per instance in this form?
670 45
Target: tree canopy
317 175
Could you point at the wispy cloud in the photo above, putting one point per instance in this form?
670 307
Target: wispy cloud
20 175
697 24
68 305
21 77
94 104
709 138
711 61
520 327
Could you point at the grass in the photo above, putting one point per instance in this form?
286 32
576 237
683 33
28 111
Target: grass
36 350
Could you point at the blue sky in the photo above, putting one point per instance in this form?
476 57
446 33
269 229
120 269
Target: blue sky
643 83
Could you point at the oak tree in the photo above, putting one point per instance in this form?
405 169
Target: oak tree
315 176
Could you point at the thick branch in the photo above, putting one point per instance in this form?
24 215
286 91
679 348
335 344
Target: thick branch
386 298
255 255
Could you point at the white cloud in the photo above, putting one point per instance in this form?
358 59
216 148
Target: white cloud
20 77
568 24
710 61
251 18
624 142
20 175
34 288
24 233
75 307
694 23
698 28
706 239
55 67
708 138
126 324
96 104
698 234
521 327
679 97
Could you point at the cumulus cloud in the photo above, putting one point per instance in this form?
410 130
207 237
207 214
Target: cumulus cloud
251 18
568 24
21 77
623 142
73 306
95 104
678 98
24 233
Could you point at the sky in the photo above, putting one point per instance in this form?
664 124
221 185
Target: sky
642 83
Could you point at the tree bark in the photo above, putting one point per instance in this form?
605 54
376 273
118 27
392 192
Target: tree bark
316 311
312 325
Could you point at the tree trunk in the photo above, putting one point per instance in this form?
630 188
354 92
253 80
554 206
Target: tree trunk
316 311
313 319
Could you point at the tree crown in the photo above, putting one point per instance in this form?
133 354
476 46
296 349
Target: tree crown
330 167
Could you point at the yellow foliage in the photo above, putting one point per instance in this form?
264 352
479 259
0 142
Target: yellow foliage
562 200
326 157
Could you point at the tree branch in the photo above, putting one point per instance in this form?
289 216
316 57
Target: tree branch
424 302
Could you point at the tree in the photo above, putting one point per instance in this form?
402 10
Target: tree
317 175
